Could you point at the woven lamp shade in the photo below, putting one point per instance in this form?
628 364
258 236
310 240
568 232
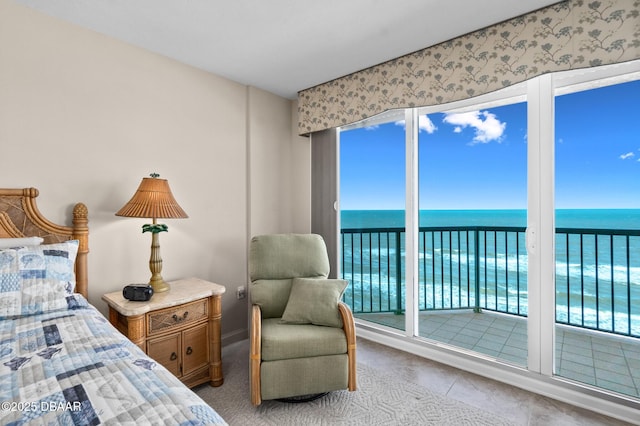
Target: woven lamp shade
153 199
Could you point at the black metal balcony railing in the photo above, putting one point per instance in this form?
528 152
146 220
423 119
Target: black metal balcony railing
485 268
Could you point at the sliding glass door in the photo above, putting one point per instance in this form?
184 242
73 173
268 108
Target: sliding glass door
472 270
598 236
506 226
372 218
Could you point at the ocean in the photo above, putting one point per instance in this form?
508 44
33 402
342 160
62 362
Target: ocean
565 218
597 277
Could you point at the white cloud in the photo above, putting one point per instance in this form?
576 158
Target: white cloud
627 155
425 123
486 125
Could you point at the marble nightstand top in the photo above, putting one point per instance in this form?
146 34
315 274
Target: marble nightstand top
180 292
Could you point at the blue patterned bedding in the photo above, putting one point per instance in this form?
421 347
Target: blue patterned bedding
70 366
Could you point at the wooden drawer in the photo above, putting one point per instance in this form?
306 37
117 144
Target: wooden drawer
173 318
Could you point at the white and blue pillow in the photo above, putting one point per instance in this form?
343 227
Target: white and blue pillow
37 279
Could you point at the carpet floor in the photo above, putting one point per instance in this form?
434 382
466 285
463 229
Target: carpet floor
381 399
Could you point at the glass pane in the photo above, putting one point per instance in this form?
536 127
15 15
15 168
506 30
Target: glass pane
473 260
372 199
598 237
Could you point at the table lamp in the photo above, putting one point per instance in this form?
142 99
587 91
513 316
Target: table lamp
153 199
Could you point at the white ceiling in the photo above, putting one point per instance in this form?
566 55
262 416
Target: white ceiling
284 46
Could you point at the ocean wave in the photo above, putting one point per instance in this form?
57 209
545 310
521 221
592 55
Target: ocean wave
602 320
502 262
602 272
434 298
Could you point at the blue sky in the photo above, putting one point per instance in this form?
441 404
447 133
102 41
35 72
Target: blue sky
478 160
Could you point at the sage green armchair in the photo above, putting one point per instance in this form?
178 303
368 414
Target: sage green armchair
302 336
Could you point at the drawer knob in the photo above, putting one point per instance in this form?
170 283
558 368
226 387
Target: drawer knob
174 356
189 350
184 316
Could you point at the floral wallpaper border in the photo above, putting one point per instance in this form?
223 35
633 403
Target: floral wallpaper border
568 35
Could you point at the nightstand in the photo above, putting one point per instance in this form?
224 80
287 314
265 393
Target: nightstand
179 328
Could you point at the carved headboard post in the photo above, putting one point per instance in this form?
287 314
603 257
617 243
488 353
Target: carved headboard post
81 233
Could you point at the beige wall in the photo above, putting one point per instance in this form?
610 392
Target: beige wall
280 178
84 117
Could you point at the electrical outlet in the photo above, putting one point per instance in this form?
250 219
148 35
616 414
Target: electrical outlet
241 292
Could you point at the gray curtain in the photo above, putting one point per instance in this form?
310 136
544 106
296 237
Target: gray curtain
324 191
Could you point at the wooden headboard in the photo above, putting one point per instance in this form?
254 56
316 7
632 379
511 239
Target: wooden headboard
20 217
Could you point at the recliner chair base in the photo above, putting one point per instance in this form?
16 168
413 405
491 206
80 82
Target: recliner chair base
302 398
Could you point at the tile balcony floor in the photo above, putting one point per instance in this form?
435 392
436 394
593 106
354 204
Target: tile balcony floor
595 358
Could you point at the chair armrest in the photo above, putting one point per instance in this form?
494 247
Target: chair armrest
349 327
255 354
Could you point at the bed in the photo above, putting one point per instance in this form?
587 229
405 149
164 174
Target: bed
61 361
